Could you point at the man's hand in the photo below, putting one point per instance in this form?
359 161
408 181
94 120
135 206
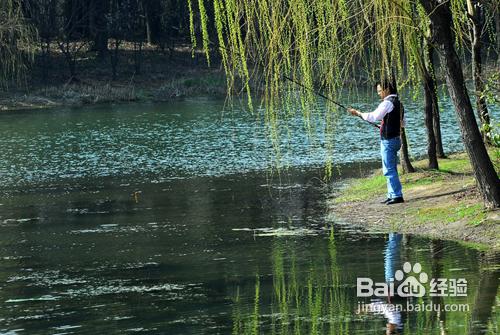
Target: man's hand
354 112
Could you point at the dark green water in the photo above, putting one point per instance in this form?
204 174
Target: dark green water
164 219
154 143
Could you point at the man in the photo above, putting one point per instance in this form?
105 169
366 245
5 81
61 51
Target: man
390 113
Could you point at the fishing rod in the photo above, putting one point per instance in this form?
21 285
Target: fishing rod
325 97
309 89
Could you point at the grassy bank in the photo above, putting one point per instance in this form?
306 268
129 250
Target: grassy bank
440 203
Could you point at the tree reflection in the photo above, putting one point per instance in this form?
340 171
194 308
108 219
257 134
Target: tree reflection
313 291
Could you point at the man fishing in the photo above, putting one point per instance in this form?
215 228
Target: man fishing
390 112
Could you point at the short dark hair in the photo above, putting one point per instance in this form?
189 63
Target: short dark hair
387 84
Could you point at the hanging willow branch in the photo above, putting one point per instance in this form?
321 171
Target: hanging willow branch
16 43
319 43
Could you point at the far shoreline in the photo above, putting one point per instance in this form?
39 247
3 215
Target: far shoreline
163 77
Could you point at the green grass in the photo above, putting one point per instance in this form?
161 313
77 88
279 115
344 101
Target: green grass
362 189
374 186
473 214
455 165
422 179
454 180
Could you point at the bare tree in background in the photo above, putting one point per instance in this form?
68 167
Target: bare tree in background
71 24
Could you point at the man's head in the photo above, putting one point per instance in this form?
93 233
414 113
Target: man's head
385 88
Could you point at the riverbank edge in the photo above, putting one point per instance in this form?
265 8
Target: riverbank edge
442 204
209 82
177 78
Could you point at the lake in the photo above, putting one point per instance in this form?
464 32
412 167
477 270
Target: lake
172 219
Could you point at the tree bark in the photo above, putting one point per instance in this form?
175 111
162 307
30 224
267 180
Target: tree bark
428 119
98 26
429 89
404 155
436 120
497 24
147 22
428 84
475 17
152 17
443 37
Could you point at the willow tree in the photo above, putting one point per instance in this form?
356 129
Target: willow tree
473 22
317 43
476 19
420 49
325 43
440 15
436 118
16 42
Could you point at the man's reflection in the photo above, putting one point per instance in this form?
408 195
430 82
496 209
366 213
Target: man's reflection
392 259
390 307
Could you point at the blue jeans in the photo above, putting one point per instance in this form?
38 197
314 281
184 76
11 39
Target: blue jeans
389 151
392 256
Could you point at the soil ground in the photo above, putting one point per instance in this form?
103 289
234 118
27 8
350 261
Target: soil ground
443 204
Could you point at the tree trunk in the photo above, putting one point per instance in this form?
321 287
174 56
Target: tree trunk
404 156
428 111
152 20
98 26
147 21
70 58
114 57
45 47
429 90
497 23
443 37
436 120
137 57
475 17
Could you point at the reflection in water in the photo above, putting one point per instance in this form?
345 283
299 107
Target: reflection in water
482 308
392 264
390 312
306 297
392 256
313 296
390 306
439 316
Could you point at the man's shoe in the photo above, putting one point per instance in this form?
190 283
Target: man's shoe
385 201
397 200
